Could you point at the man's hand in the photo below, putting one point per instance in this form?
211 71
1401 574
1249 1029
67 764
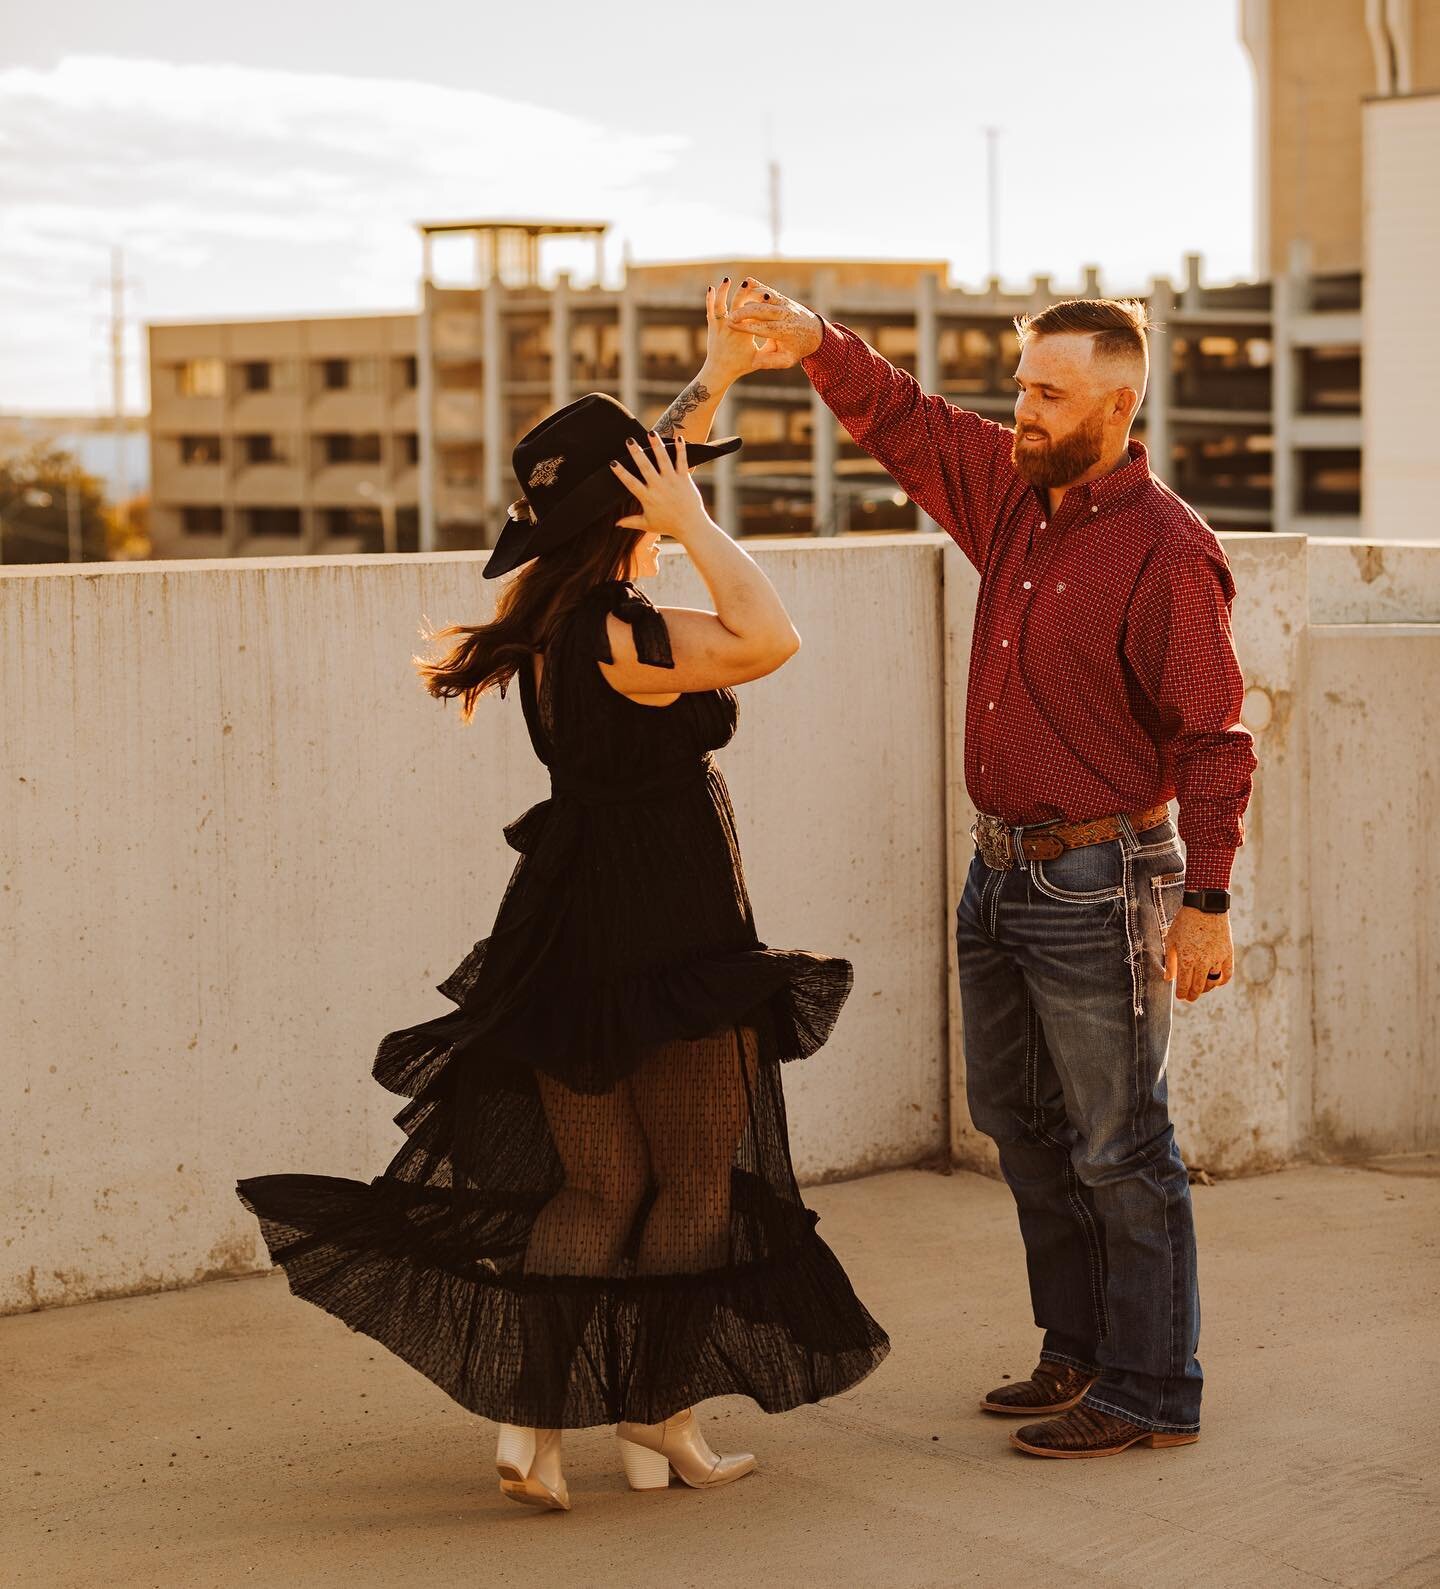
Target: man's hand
1198 944
784 331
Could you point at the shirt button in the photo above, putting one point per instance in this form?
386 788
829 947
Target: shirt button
982 766
1004 643
991 707
1027 584
1044 525
1094 510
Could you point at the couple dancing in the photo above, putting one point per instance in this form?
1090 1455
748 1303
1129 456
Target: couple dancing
594 1218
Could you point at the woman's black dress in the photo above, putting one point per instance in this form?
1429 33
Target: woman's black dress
594 1216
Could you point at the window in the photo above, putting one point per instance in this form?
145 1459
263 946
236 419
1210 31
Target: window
350 375
970 360
409 449
1330 481
270 521
199 449
528 350
255 376
347 447
407 372
200 378
202 521
346 521
1330 380
265 448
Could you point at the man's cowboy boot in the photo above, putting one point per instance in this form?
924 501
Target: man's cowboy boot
1084 1432
1052 1388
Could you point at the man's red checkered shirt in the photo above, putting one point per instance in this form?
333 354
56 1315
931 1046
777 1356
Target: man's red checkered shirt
1103 675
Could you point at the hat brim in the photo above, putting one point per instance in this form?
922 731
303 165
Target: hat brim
521 540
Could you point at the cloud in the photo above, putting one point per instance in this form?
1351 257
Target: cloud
235 191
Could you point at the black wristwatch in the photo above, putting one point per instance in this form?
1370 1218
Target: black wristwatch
1213 901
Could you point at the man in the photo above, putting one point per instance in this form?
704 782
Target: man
1103 683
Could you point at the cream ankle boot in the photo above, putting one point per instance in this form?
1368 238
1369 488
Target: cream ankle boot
650 1450
528 1462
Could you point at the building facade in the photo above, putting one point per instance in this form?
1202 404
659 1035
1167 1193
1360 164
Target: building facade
358 433
1316 62
284 436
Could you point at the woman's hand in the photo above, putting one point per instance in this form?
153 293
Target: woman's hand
729 353
669 499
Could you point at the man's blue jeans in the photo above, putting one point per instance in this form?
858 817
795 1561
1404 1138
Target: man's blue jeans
1067 1031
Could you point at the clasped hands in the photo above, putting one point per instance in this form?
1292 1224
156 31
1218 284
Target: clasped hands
753 327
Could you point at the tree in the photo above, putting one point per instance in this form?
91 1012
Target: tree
44 492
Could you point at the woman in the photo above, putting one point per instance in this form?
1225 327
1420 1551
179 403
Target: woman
594 1218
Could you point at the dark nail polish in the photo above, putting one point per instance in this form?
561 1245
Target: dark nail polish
767 297
746 282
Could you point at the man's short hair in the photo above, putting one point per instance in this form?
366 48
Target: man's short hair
1118 325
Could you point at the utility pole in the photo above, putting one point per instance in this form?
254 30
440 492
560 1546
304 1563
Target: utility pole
775 208
117 383
992 200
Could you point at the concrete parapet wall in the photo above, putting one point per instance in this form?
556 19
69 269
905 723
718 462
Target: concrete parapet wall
240 845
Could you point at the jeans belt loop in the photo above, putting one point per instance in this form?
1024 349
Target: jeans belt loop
1017 844
1127 832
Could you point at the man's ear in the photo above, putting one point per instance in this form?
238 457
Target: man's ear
1126 401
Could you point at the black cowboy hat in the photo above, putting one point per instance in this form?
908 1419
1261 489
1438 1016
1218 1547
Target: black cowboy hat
563 467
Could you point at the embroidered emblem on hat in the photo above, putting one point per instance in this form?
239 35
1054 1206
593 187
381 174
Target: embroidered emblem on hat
544 473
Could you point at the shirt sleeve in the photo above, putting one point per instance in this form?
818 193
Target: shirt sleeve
953 463
1179 648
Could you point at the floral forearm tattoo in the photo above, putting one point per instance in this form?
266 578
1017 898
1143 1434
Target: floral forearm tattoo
689 400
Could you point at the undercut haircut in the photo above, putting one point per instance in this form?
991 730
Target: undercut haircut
1118 325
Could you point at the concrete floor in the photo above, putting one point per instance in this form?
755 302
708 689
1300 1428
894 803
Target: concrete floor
229 1435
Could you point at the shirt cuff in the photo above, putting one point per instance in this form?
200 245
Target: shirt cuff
829 358
1208 866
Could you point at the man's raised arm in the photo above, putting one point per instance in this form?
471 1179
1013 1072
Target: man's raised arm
951 462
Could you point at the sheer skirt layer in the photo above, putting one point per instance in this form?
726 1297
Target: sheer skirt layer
609 1256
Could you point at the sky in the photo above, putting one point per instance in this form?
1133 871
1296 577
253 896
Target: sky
273 159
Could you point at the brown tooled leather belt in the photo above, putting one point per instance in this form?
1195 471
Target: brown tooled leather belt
996 845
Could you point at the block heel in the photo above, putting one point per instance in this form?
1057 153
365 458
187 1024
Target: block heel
644 1469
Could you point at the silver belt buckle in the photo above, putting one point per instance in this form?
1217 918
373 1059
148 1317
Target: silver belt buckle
992 839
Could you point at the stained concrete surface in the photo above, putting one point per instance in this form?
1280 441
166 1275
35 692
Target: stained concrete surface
230 1435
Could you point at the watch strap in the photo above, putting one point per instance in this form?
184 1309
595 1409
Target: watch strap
1213 901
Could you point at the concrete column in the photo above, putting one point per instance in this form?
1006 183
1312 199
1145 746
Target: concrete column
1192 281
1158 396
493 409
727 489
1287 300
629 347
927 357
230 513
560 341
425 402
823 448
1242 1060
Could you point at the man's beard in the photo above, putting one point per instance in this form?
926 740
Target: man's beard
1058 463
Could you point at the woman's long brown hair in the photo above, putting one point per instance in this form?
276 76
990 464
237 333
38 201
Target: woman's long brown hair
531 606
